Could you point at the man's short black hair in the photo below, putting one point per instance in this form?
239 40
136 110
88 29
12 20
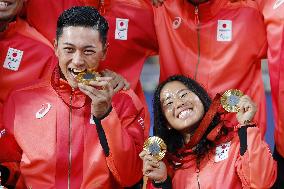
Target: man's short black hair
83 16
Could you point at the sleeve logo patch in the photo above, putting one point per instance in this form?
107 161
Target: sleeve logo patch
224 30
222 152
121 29
13 59
177 22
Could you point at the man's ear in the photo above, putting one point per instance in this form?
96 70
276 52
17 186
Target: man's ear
55 45
106 46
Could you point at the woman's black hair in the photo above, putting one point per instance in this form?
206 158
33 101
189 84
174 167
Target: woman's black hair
172 137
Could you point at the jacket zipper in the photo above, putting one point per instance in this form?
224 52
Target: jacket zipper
69 141
198 172
197 23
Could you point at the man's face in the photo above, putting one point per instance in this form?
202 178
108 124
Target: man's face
9 9
78 49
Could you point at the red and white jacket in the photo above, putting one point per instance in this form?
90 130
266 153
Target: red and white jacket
63 147
130 23
25 55
224 167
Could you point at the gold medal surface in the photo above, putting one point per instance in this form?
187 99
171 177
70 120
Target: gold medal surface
87 76
230 100
156 147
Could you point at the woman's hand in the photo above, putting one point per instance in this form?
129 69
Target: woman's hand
247 110
100 92
153 169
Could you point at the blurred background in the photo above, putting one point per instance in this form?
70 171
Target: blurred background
150 79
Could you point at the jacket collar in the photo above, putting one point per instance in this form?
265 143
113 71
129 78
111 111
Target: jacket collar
66 92
12 28
207 10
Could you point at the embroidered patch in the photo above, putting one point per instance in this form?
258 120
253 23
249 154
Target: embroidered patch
13 59
224 30
222 152
177 22
121 29
43 110
277 4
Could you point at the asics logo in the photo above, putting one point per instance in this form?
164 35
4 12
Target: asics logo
177 22
43 110
277 4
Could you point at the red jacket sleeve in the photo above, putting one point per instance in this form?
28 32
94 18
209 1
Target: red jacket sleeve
10 152
274 20
256 168
125 139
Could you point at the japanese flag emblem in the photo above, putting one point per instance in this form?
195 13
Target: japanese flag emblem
222 152
13 59
121 29
224 30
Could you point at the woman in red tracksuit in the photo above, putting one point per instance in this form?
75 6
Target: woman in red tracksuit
75 135
202 151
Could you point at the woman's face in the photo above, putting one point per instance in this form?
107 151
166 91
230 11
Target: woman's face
182 108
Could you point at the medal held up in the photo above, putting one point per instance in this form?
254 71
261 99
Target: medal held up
230 100
87 76
156 147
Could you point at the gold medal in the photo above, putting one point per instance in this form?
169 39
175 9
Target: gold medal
156 147
87 76
230 100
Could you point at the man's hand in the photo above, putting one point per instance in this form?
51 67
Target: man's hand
118 82
153 169
247 110
100 92
157 3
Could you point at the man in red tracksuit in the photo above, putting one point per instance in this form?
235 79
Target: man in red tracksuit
77 135
221 43
129 22
25 56
277 89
